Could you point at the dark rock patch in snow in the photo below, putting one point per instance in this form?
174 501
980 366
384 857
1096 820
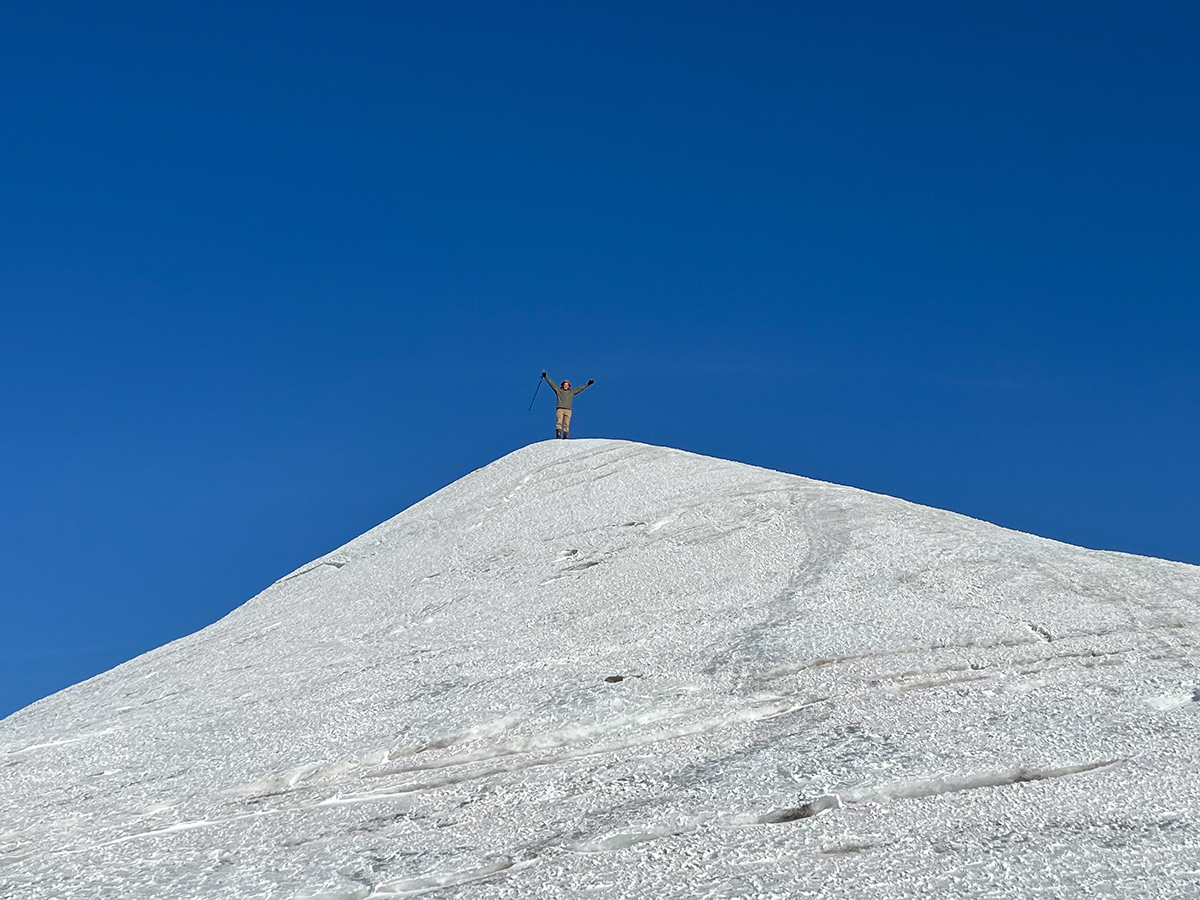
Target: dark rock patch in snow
805 810
1041 631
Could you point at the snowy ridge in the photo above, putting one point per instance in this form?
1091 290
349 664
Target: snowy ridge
604 669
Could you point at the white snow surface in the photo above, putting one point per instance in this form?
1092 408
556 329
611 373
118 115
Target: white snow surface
824 693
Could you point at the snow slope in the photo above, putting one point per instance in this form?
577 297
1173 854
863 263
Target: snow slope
823 693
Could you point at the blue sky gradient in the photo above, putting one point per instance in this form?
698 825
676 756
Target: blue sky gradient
272 272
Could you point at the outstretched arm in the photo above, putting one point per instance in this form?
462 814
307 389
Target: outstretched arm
549 380
584 388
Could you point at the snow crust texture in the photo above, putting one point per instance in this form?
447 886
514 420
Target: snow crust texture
599 669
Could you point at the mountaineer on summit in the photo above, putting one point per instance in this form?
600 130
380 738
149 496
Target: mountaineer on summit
565 394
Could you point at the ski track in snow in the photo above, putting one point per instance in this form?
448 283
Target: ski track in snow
603 669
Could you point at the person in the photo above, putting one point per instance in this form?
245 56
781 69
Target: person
562 415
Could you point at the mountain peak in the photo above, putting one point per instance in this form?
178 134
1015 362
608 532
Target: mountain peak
601 668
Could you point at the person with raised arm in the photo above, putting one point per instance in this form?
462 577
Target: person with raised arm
562 415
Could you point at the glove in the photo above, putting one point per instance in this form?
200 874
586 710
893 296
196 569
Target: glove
590 381
543 373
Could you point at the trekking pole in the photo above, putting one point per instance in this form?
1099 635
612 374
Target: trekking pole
535 390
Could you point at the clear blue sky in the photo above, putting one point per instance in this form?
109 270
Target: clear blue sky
270 273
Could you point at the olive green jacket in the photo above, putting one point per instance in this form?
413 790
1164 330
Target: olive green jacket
564 397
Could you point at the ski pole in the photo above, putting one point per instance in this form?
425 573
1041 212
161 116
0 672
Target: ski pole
535 390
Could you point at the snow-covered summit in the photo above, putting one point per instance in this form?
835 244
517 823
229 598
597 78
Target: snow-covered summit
604 669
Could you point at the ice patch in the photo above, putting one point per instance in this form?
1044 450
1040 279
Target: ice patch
61 742
412 887
662 523
345 892
1168 702
914 788
629 837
